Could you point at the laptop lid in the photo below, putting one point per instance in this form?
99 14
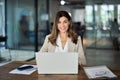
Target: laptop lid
57 63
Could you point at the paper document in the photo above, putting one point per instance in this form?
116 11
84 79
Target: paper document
99 72
26 71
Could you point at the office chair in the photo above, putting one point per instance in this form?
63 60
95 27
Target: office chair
3 39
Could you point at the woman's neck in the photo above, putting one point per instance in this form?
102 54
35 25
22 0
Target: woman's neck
63 35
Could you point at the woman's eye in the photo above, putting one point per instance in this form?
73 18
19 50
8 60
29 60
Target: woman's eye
65 21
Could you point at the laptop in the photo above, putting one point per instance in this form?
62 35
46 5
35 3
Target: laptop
57 63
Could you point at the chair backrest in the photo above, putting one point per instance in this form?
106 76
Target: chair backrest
3 39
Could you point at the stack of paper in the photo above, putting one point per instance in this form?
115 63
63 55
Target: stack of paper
99 72
26 71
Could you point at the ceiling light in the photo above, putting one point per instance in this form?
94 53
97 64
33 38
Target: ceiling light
62 2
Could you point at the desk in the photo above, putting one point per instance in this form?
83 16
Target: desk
4 74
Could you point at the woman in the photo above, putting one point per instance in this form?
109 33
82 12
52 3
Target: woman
63 38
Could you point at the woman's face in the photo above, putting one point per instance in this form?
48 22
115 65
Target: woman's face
63 24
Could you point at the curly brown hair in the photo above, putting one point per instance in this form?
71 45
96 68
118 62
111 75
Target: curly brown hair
71 32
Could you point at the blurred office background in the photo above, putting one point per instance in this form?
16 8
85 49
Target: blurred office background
25 23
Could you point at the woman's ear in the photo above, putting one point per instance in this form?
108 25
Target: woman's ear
70 23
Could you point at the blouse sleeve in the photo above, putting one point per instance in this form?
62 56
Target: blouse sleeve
44 47
81 55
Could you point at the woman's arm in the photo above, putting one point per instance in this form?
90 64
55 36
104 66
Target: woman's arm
81 55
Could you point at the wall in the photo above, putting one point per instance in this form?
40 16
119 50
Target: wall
56 7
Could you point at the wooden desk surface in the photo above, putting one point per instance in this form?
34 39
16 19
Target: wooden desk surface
4 74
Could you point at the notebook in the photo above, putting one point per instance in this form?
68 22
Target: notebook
57 63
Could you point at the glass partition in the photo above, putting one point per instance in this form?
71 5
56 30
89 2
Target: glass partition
43 21
2 19
21 23
99 19
119 14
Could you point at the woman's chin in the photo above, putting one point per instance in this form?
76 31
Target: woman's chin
63 31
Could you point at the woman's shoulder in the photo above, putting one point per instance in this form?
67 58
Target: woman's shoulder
48 35
79 37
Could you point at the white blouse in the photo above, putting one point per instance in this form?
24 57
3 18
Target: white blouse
59 47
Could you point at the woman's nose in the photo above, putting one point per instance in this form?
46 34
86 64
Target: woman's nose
62 24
